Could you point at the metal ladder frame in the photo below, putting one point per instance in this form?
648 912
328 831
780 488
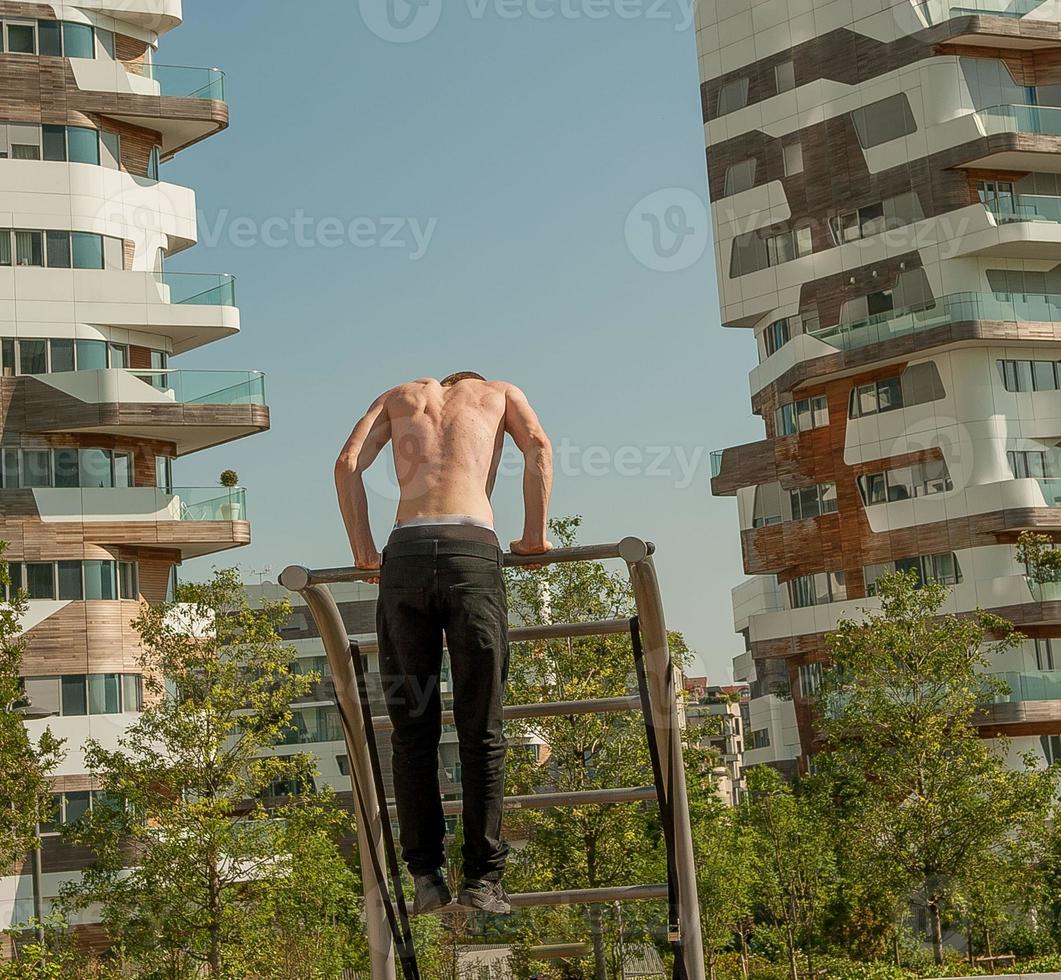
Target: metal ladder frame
663 721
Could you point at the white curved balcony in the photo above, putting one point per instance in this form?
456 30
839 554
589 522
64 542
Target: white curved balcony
157 16
85 197
188 310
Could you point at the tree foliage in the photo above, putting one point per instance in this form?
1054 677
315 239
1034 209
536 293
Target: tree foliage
193 871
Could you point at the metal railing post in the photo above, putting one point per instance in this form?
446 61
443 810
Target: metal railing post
337 646
664 700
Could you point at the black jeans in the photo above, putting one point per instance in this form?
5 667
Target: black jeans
447 580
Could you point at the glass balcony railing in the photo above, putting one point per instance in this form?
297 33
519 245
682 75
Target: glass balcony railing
1035 685
955 308
311 725
199 288
181 82
716 462
1035 120
208 503
1051 492
938 11
1027 207
208 387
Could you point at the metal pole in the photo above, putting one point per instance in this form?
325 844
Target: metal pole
37 877
337 646
663 697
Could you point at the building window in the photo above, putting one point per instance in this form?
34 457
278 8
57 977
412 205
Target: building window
785 76
813 501
153 163
75 581
776 506
777 335
740 177
1030 375
759 739
20 37
942 569
817 589
918 384
792 154
1030 464
810 679
803 415
884 121
1051 748
1045 658
905 482
77 695
872 219
79 250
732 96
52 38
29 356
71 807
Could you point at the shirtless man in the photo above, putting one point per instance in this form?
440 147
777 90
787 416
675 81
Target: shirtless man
441 573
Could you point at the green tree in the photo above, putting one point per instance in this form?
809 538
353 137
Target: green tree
794 862
589 846
193 872
24 789
935 802
725 872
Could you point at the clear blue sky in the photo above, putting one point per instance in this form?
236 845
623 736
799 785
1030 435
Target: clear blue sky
517 147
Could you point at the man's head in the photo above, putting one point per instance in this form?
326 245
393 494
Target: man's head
461 376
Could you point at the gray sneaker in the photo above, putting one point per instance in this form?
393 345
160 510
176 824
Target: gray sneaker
485 896
432 893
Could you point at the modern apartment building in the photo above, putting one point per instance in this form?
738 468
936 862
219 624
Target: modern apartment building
724 714
884 179
96 411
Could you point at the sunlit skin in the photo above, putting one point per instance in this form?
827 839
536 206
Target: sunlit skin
446 443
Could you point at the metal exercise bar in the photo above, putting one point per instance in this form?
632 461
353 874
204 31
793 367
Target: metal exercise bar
589 896
298 577
546 801
637 554
547 709
525 634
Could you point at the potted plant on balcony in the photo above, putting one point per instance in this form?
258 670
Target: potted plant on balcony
230 509
1043 563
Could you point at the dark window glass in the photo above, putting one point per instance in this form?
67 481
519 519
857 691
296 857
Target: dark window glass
62 355
36 468
128 580
100 580
11 477
889 395
22 38
70 580
77 805
17 575
79 41
88 250
33 357
83 145
884 121
1043 376
75 701
50 35
112 144
29 248
58 249
104 694
91 355
66 468
54 142
40 580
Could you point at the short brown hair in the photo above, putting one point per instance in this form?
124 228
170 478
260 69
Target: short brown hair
461 376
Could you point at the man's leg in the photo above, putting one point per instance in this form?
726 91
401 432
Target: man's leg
477 635
410 660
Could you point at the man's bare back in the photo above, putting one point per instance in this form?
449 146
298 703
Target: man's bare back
447 444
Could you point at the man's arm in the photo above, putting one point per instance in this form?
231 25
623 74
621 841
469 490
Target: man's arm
522 424
369 437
